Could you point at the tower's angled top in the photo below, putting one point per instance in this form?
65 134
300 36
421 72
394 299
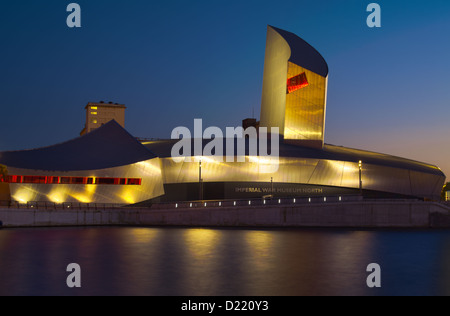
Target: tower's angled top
303 53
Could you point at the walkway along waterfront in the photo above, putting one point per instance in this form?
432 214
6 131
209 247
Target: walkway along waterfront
351 212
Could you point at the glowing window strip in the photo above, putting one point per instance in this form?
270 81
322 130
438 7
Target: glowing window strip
72 180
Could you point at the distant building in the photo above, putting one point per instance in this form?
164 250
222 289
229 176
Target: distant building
250 122
447 196
98 114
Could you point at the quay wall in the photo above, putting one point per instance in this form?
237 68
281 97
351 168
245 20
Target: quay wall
357 214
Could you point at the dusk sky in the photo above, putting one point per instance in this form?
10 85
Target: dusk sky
170 62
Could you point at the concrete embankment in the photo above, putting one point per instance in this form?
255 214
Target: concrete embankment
361 214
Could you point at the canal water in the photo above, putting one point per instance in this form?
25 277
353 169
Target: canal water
223 262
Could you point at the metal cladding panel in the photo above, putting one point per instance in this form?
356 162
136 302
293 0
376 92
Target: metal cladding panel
386 179
426 183
328 173
273 102
329 152
350 176
332 173
149 171
299 110
252 170
296 170
305 107
212 171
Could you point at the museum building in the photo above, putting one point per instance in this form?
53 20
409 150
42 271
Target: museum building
108 165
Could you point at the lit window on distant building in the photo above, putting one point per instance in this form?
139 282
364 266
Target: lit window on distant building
93 113
94 121
94 108
297 83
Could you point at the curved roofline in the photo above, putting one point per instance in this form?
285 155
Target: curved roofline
303 54
106 147
162 148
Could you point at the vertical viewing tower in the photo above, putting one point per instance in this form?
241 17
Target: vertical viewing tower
294 89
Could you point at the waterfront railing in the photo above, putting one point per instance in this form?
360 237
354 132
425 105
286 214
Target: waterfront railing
255 202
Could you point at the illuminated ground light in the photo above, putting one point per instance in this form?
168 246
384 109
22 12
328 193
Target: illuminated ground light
57 196
24 195
82 198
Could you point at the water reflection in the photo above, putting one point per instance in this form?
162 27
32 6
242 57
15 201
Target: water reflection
142 235
201 243
182 261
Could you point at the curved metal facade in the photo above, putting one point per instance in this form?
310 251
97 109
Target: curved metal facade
333 167
294 93
96 168
307 171
149 172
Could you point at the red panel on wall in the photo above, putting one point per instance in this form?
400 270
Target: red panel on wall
296 83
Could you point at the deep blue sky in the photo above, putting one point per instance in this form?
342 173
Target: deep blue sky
173 61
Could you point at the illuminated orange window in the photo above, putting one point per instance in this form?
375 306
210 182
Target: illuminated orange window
53 180
71 180
78 180
107 181
134 181
296 83
15 179
35 179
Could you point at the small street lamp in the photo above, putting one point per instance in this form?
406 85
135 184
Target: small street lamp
200 180
360 178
